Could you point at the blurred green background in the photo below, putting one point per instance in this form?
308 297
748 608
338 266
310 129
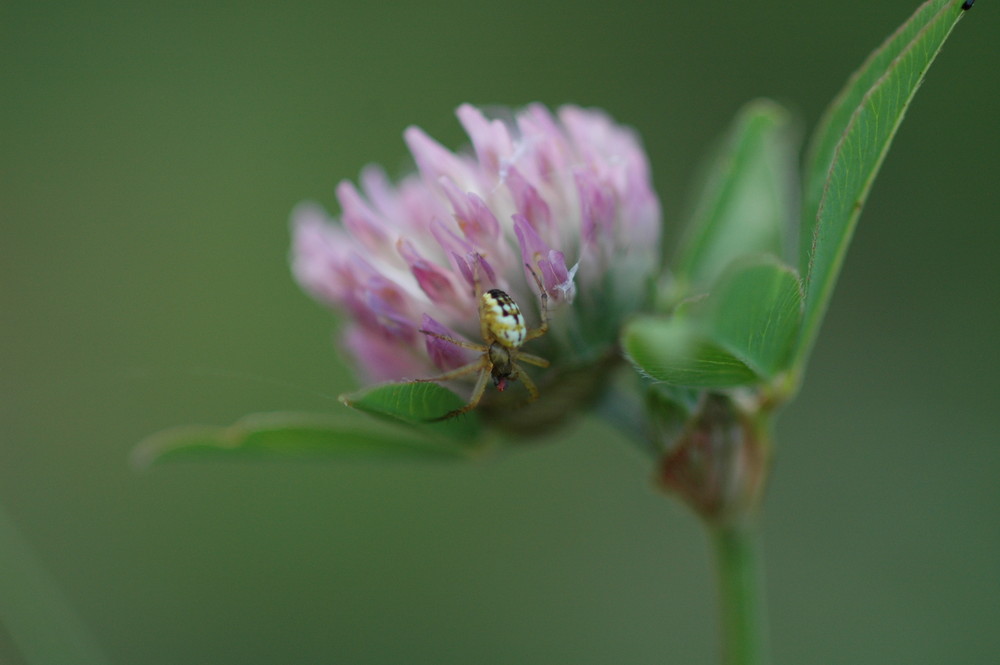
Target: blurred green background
149 157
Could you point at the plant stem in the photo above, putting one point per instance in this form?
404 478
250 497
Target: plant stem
741 594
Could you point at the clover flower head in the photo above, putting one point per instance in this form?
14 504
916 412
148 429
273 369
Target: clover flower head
565 196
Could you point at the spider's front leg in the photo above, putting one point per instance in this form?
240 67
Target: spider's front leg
457 342
457 373
481 364
544 297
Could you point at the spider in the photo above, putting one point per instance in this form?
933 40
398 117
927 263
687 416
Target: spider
502 328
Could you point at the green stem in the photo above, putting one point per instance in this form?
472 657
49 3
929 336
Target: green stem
741 594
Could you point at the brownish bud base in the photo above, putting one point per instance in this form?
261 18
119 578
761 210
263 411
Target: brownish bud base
718 464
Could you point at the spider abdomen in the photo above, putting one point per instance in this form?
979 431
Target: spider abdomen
501 319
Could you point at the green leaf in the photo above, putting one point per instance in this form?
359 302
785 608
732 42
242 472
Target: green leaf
850 144
754 313
298 436
417 403
742 333
674 350
745 206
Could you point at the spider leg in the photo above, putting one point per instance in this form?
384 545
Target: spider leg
477 394
532 359
543 294
481 364
456 342
526 380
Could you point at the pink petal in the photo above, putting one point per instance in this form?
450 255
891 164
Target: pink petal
641 216
595 135
548 264
434 160
465 258
477 271
529 202
483 270
380 358
449 241
319 251
597 210
390 307
477 222
420 204
433 280
363 223
551 152
444 354
490 139
378 302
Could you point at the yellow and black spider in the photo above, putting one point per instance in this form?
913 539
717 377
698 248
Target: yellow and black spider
503 330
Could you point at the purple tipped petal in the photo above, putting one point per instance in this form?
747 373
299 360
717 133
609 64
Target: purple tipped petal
548 264
379 302
444 354
555 273
434 160
596 137
360 220
476 270
435 281
391 307
529 202
449 241
615 155
319 252
552 153
381 359
465 258
390 319
483 271
641 212
379 190
405 208
597 209
533 248
490 138
474 218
